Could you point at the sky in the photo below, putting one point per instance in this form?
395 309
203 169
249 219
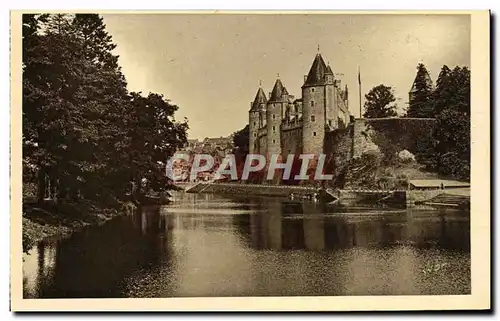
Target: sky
211 65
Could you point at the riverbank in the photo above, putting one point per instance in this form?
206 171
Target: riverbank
452 198
63 218
251 189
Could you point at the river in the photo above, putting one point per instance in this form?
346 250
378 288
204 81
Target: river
213 245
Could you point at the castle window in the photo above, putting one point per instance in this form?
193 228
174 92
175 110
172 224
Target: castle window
312 103
312 89
313 118
274 141
254 134
330 122
314 133
274 116
274 129
254 123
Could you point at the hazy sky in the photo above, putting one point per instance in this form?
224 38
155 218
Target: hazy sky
211 65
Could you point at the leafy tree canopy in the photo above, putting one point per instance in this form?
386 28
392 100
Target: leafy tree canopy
380 102
81 127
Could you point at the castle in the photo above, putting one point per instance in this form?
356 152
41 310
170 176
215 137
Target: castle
283 125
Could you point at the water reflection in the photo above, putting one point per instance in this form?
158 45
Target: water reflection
207 245
314 226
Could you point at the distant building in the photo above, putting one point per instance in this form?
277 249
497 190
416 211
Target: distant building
209 145
224 144
217 147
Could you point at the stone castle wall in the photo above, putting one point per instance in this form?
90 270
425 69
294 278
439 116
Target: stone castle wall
339 149
385 137
391 135
291 141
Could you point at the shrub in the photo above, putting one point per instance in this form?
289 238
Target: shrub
405 156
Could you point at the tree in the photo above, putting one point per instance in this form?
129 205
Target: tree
105 104
380 102
81 128
420 104
155 136
442 93
241 148
452 133
49 70
241 140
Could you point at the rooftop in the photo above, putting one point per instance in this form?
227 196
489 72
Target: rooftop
260 98
317 72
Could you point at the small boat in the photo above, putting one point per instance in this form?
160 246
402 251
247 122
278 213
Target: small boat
327 195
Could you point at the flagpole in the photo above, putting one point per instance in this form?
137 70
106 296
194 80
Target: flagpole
359 83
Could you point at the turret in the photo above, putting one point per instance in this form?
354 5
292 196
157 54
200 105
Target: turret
329 75
257 107
316 95
332 86
276 107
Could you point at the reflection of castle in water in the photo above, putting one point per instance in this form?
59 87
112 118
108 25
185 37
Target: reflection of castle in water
305 226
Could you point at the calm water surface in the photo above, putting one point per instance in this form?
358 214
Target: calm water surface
212 245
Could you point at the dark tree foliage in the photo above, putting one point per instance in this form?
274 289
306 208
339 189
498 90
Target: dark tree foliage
442 91
452 133
420 104
380 102
78 117
241 140
154 136
241 149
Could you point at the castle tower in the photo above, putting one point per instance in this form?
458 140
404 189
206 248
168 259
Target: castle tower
257 111
318 105
331 97
276 107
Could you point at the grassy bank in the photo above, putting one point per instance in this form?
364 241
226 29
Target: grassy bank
64 217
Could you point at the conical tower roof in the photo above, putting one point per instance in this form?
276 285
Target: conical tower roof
260 98
317 72
427 78
278 91
328 70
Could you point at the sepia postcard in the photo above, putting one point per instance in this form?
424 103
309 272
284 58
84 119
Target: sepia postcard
250 161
